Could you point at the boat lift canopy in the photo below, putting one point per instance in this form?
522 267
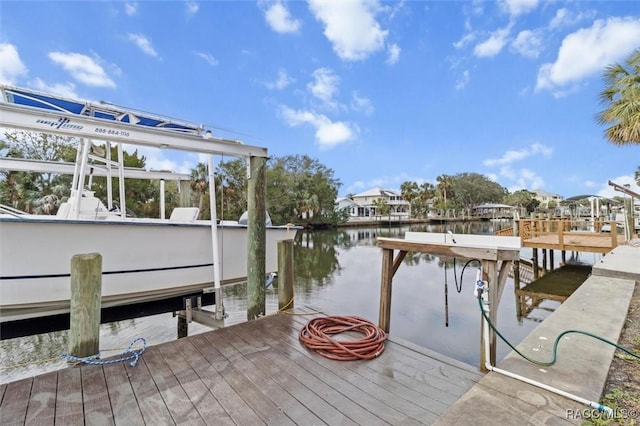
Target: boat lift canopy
40 112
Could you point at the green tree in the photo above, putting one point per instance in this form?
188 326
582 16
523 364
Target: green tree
471 189
523 199
621 96
36 192
410 192
199 183
142 196
298 187
231 187
445 188
382 207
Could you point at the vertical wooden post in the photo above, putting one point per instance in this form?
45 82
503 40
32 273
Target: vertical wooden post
536 268
544 261
86 293
614 233
384 318
551 260
183 327
256 234
285 274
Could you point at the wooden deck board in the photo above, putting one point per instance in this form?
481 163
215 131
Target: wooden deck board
208 407
175 398
95 398
69 398
121 395
42 403
13 410
247 374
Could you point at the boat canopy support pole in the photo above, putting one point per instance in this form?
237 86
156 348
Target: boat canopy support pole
109 183
86 145
219 311
123 204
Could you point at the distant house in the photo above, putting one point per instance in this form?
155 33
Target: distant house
546 197
489 210
362 205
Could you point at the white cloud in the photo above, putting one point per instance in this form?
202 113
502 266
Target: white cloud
463 80
588 50
517 155
67 90
393 54
143 43
361 104
466 39
565 18
191 8
11 66
209 58
131 8
528 43
350 26
494 44
328 133
282 81
280 20
518 7
83 68
324 86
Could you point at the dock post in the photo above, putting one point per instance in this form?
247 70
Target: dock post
86 294
536 268
384 318
256 235
285 274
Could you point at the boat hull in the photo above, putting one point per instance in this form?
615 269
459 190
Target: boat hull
141 260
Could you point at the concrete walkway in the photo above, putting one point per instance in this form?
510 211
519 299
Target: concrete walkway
600 307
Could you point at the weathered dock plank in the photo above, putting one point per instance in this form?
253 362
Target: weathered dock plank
247 374
69 398
95 398
175 398
42 403
13 410
232 403
121 396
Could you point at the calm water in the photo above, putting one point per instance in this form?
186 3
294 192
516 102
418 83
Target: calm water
337 271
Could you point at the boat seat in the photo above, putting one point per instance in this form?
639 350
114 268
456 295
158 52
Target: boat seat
184 214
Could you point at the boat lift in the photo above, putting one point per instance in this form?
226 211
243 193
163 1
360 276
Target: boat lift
35 111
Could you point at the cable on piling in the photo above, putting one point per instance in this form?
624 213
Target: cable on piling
318 334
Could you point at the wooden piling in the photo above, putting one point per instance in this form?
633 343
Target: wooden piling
86 293
285 274
256 234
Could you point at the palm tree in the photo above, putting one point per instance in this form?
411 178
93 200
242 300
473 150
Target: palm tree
622 97
444 186
200 182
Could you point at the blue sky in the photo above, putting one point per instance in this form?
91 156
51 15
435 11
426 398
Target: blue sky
380 92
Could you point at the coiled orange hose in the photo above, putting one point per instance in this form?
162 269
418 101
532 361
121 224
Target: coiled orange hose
318 332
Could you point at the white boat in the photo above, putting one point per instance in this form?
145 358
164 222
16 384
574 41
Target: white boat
143 259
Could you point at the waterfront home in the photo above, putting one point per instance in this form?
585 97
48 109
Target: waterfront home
365 204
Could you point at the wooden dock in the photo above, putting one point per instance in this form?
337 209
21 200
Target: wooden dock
247 374
563 235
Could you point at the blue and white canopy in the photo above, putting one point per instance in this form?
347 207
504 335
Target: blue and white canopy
41 112
103 111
